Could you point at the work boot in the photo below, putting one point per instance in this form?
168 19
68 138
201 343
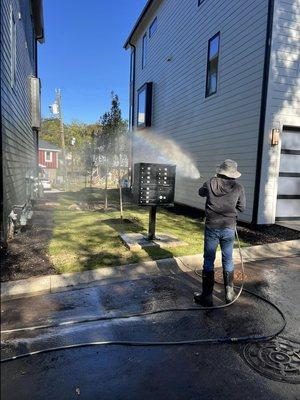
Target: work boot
205 298
228 284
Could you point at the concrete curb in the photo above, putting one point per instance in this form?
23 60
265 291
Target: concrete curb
169 266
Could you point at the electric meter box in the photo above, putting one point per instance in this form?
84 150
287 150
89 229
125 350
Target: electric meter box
154 184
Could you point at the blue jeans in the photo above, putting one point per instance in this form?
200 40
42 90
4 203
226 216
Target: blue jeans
213 237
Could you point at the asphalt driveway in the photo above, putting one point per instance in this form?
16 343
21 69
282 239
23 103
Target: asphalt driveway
220 371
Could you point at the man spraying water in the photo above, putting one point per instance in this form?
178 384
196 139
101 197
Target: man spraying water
224 197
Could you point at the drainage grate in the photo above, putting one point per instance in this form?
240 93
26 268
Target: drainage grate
278 359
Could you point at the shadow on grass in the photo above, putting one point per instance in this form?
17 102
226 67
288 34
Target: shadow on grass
154 253
88 237
122 225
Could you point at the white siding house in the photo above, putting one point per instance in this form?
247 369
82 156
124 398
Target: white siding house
257 91
280 178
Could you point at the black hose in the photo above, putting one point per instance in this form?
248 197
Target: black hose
249 338
95 319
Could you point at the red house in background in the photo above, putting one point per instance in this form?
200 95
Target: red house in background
48 158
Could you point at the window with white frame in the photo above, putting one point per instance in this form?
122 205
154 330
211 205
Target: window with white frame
13 47
153 27
212 65
48 156
144 50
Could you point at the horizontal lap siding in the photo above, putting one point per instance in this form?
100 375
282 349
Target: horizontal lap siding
19 141
225 125
284 94
283 99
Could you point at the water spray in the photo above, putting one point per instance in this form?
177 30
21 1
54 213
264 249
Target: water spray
153 147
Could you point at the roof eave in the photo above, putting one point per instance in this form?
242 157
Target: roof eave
38 20
139 20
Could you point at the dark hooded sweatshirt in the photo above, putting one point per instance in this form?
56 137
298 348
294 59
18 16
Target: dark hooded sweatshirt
224 197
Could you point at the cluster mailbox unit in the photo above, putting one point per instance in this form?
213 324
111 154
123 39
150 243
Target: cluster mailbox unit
154 185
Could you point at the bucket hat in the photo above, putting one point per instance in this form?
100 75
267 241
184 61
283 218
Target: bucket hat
229 169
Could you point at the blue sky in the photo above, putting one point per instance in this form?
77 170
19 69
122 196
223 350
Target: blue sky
83 55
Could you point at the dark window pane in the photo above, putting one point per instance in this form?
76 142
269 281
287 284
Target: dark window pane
144 51
141 107
153 27
214 47
212 65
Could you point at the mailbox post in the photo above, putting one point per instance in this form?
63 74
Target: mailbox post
152 223
154 185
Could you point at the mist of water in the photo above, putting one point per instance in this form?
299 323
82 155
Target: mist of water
157 148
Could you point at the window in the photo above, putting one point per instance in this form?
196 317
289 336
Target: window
48 156
13 48
153 27
144 106
200 2
212 65
144 50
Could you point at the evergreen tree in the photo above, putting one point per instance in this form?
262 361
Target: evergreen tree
112 144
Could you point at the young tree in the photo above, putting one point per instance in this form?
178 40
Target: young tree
112 140
119 127
104 150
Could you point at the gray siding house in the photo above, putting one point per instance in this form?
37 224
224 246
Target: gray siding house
223 80
21 28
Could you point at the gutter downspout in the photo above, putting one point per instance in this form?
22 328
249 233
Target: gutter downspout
263 111
132 108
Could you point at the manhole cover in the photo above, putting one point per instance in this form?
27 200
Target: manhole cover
278 359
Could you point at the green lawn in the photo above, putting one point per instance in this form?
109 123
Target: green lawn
86 239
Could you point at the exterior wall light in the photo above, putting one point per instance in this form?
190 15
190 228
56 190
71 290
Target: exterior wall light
275 137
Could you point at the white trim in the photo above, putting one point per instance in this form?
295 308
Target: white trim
51 158
44 149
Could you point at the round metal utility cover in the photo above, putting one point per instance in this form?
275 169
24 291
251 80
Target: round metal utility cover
278 359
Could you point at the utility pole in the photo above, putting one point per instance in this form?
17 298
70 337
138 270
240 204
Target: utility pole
73 141
62 134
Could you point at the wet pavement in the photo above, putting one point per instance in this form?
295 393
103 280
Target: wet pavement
207 371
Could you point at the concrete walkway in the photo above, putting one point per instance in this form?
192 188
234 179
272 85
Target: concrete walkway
53 283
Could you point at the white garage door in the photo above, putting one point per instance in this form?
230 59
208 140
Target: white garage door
288 197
